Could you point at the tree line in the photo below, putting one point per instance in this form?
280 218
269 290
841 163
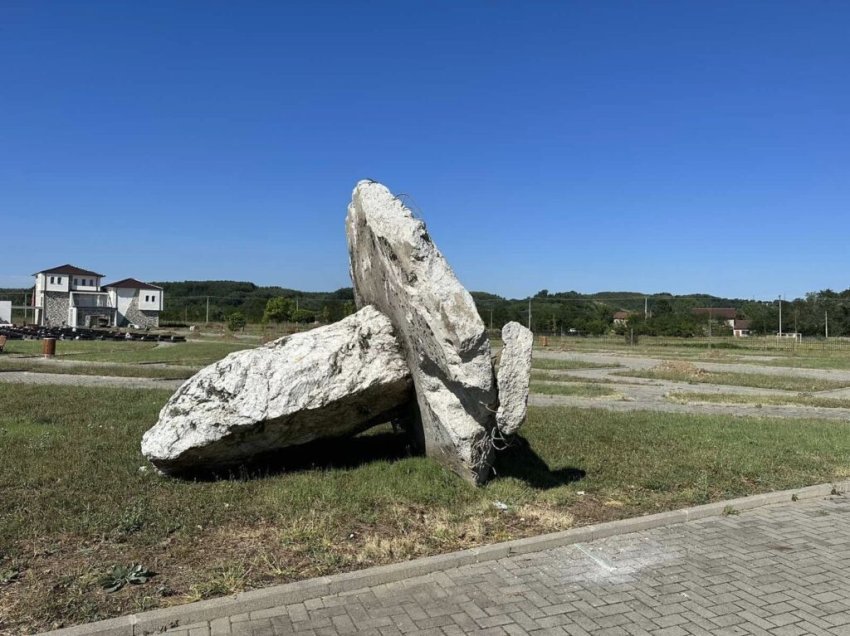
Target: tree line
568 312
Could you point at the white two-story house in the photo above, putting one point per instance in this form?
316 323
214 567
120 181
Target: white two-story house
135 302
74 297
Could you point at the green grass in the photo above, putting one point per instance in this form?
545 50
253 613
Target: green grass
756 380
574 389
191 353
835 361
37 366
74 502
762 345
801 399
554 364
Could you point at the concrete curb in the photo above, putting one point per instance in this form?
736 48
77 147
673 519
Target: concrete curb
256 600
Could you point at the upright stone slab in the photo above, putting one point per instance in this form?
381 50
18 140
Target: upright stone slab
396 267
514 377
329 382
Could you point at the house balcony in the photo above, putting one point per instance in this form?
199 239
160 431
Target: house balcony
90 300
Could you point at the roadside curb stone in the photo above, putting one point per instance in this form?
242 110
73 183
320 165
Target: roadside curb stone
217 611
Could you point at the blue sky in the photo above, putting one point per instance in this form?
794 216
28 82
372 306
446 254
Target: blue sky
648 146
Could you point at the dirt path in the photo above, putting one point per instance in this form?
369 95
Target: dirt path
632 394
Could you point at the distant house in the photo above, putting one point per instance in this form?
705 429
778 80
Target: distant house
741 328
72 296
69 295
135 302
621 317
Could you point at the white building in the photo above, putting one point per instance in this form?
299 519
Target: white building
71 296
135 302
5 311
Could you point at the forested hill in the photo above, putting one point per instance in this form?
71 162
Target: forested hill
591 313
188 301
669 314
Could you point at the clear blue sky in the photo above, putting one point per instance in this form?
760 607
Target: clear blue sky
652 146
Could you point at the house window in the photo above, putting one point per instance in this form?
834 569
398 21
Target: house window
76 281
52 280
59 280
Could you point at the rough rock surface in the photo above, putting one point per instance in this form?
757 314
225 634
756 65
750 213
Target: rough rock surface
396 267
513 377
328 382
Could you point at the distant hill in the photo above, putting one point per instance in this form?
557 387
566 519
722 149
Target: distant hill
558 312
188 300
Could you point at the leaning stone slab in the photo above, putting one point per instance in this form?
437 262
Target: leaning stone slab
329 382
514 377
396 267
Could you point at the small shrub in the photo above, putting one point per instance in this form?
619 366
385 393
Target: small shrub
121 576
236 321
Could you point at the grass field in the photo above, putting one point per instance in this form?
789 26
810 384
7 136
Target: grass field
31 365
687 373
800 399
192 353
811 361
76 496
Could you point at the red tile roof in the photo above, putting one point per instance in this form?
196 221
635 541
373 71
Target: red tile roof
131 283
71 270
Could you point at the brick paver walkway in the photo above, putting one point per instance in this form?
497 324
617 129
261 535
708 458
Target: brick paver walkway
776 570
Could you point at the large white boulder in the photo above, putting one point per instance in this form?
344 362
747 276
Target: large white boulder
396 267
329 382
514 377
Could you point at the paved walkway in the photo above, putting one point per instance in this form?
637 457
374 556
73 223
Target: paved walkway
778 570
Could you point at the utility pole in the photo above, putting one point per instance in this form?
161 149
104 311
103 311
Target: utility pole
645 308
529 313
208 310
780 315
826 324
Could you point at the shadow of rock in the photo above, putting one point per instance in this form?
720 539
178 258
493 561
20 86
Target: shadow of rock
379 444
520 461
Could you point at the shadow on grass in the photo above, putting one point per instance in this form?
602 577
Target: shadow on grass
520 461
326 454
